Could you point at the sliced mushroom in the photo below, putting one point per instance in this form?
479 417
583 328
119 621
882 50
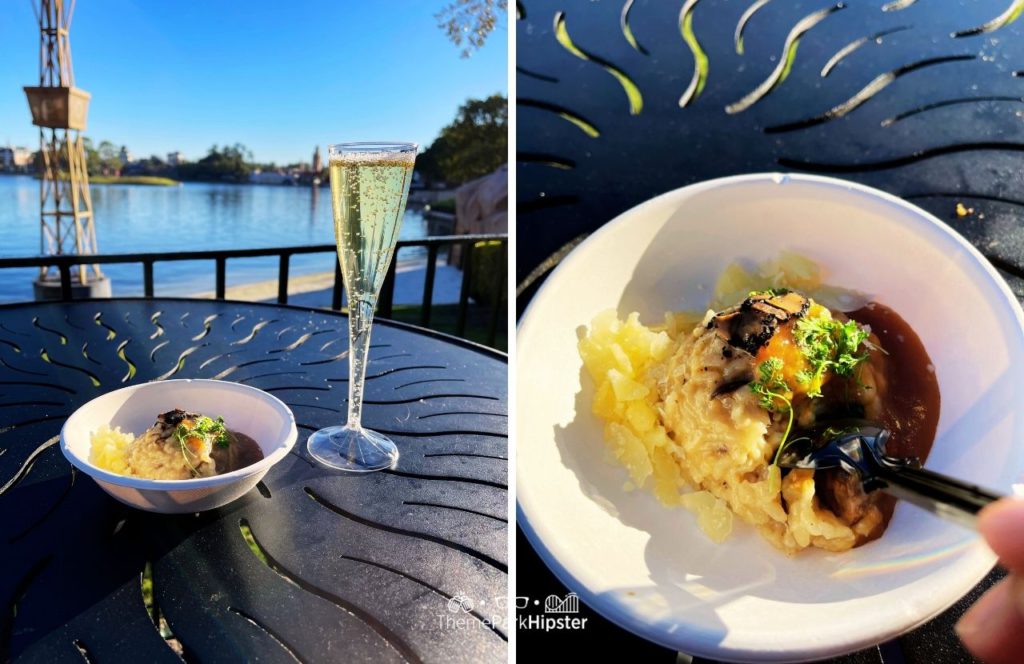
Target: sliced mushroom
792 303
731 385
750 325
173 417
766 308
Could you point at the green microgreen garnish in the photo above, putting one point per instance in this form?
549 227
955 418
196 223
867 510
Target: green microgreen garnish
203 426
828 345
770 292
184 455
771 389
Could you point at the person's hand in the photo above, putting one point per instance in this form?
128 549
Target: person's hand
993 629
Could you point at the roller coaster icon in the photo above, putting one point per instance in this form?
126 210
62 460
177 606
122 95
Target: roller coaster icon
568 604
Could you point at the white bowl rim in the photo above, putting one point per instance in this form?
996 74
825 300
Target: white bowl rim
696 644
197 483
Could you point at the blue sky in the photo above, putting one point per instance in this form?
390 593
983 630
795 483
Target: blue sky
277 76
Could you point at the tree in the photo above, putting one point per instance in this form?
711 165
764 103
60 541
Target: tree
472 146
92 158
110 161
230 163
470 22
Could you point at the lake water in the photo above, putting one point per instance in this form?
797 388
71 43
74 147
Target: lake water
192 216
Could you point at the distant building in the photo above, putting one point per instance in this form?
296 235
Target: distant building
317 162
15 159
270 177
175 158
126 155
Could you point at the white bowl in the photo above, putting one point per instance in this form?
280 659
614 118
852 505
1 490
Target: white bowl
245 409
649 568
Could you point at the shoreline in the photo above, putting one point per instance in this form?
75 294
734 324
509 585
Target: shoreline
144 180
316 289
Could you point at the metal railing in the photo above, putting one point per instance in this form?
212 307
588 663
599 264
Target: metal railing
385 305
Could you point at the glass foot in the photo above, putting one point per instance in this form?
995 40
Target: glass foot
355 450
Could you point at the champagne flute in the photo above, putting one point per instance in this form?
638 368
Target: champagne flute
369 189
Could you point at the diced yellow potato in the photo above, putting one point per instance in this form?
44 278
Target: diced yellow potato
622 361
667 478
698 501
791 270
717 523
657 437
596 358
713 515
734 284
659 345
626 389
640 416
630 452
605 401
109 449
677 323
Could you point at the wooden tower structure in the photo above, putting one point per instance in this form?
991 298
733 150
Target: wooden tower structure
59 109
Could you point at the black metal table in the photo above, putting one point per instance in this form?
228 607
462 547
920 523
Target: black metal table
621 100
314 566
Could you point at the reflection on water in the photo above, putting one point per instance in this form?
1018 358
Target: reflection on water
193 216
314 199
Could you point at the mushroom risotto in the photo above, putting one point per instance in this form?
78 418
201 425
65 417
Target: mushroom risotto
699 407
179 446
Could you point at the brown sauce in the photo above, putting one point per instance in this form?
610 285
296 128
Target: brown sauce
911 404
240 452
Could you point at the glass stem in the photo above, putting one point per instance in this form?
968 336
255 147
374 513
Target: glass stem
360 320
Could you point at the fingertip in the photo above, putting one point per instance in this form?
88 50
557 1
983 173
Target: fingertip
1002 526
993 629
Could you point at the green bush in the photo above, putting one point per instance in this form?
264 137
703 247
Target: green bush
489 268
444 205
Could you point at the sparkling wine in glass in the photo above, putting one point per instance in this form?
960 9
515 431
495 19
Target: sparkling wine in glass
369 189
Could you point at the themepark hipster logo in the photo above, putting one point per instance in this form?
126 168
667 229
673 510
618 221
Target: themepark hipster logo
559 613
465 612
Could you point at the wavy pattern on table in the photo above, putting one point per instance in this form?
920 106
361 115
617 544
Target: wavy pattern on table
536 75
320 500
551 160
627 29
271 633
945 103
584 158
961 195
741 25
451 478
206 326
10 612
57 333
900 160
700 58
50 510
633 94
1011 14
877 84
785 64
396 642
575 119
850 48
22 370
